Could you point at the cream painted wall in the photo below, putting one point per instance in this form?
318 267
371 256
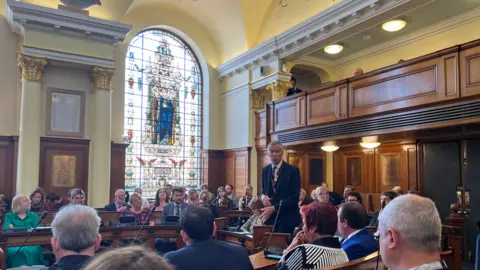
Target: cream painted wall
235 108
459 35
10 92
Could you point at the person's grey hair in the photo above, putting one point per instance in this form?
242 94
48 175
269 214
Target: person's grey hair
320 189
274 143
75 227
74 192
416 220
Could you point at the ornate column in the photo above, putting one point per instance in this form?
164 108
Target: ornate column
258 99
100 146
30 121
279 89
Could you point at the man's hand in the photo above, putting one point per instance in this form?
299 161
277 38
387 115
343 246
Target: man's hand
122 209
266 200
267 213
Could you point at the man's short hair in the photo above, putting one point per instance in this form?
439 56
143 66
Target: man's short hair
177 189
293 79
197 223
390 194
75 227
274 143
53 197
354 214
416 220
229 185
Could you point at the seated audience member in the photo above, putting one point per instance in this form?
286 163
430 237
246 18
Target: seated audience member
76 196
230 192
398 190
322 194
315 247
145 203
177 207
207 203
303 198
355 196
168 189
386 197
313 195
245 200
127 197
4 202
347 191
358 241
211 195
333 197
140 214
256 206
75 237
37 197
161 199
222 201
21 217
410 233
193 198
55 202
202 252
131 258
119 204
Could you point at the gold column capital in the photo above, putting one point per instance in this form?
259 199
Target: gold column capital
278 89
31 67
258 99
102 78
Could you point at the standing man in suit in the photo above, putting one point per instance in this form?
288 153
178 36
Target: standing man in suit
177 207
358 241
119 204
280 186
293 90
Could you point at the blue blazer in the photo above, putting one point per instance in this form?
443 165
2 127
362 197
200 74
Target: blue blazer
360 245
211 255
168 210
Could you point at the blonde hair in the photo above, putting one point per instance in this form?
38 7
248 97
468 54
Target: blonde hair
17 201
319 190
135 195
132 258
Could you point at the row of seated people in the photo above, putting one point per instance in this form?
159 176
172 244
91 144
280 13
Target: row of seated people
410 233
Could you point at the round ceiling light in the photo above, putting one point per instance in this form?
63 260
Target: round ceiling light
333 49
369 145
329 146
393 26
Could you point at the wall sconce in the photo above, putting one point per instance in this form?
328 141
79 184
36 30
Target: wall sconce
329 147
369 145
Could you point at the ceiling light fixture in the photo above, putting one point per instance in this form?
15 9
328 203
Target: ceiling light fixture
393 26
333 49
329 147
370 145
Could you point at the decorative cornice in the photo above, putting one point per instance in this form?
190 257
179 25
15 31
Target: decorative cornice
278 89
31 67
311 32
264 81
68 57
258 99
102 78
23 15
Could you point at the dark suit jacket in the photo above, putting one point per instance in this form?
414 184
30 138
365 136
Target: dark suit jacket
288 190
292 91
113 208
169 210
360 245
71 262
211 255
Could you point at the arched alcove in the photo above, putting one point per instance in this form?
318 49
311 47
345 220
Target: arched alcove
309 77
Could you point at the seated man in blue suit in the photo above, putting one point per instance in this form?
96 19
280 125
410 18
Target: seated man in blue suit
202 252
177 207
358 242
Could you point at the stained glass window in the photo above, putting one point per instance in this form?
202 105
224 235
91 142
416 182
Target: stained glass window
163 112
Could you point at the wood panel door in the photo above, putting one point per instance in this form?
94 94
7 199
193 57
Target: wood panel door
64 165
117 167
238 169
7 168
396 166
297 159
315 171
356 168
470 71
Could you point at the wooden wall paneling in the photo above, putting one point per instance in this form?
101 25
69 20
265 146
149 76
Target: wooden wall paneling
15 164
213 169
262 161
270 118
117 167
63 164
297 159
7 155
391 164
411 166
470 70
352 167
289 113
420 167
238 168
449 82
261 128
411 85
322 106
315 164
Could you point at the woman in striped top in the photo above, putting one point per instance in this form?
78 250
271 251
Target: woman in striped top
315 247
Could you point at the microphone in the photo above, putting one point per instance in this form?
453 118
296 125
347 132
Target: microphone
271 254
143 225
42 217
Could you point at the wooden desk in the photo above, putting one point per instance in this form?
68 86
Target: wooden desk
236 213
245 240
114 234
261 263
256 241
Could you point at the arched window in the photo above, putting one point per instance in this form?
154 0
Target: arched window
163 113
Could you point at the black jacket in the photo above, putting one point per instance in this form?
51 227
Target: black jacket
71 262
113 208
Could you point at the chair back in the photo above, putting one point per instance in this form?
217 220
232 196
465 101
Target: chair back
368 262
